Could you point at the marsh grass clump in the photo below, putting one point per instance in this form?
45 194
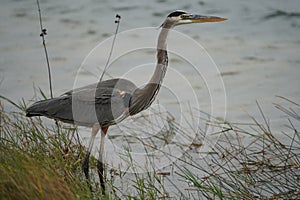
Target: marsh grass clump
25 177
38 162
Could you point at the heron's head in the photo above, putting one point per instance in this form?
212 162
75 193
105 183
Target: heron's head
180 17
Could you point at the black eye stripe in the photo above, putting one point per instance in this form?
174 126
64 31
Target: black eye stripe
176 13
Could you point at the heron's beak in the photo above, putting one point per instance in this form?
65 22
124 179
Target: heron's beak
190 18
202 19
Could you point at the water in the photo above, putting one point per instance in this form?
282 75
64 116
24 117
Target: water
256 51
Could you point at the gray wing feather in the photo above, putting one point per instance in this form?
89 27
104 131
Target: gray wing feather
96 103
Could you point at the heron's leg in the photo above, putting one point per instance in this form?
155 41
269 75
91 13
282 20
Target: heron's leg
85 165
100 165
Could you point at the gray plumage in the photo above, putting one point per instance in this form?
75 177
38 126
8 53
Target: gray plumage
109 100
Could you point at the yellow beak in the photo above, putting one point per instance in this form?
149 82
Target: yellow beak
202 19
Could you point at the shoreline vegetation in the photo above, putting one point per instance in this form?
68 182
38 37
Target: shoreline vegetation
36 162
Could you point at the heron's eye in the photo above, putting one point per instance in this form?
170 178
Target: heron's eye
184 16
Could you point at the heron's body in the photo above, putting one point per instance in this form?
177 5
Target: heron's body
95 98
108 102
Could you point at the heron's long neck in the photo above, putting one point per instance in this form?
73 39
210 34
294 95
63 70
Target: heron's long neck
162 58
142 98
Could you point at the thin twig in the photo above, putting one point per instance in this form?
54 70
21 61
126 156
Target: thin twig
43 34
117 21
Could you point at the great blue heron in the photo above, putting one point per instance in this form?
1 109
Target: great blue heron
115 99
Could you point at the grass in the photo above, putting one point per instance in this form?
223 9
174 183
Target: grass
259 167
263 169
39 162
24 177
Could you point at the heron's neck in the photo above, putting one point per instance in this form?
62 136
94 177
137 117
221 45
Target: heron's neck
162 58
142 98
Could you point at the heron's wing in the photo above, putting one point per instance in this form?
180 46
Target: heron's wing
96 103
102 105
117 83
